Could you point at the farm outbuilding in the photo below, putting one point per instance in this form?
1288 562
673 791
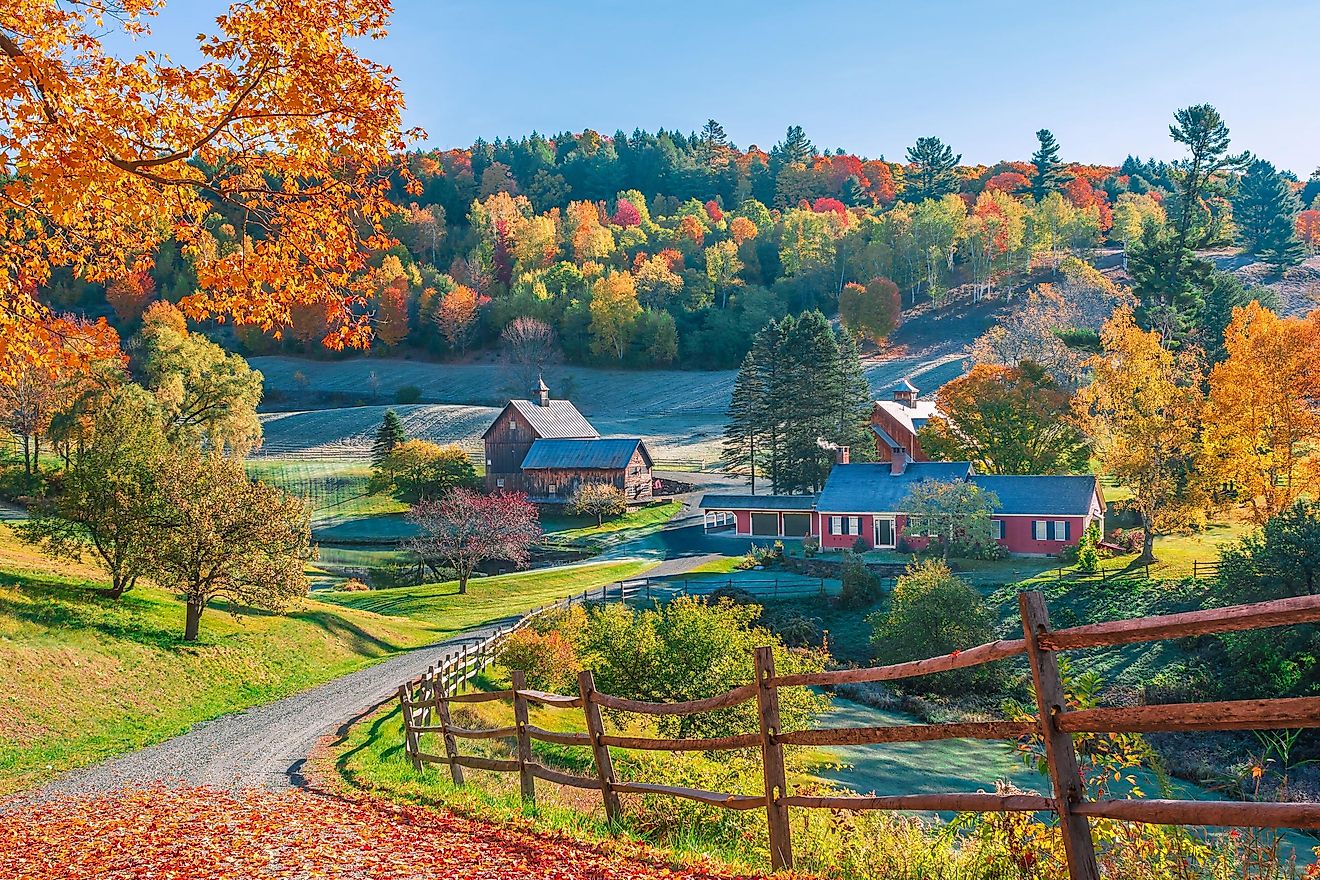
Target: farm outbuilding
546 448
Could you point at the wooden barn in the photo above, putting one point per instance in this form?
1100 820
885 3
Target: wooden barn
546 449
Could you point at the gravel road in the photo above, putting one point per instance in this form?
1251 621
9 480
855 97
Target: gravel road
264 746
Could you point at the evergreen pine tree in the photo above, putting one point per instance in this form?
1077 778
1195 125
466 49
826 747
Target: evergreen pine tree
795 147
852 195
741 452
812 354
851 402
1048 176
1265 211
933 173
389 435
770 352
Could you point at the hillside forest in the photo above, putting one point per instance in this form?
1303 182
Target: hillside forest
658 249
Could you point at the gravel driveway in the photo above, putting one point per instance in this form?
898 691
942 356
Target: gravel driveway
266 745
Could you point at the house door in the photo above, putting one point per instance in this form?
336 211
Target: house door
884 531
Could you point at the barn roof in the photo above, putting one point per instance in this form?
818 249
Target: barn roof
758 502
912 417
1040 495
871 487
557 419
609 454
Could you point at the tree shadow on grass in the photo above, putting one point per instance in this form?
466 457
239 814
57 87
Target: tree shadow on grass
361 641
377 602
56 603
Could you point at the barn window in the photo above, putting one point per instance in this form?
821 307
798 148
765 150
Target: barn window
513 426
499 484
552 489
997 529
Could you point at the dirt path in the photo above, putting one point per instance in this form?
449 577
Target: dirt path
263 746
186 833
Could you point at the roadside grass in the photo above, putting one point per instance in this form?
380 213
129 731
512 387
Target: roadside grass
723 565
488 599
86 677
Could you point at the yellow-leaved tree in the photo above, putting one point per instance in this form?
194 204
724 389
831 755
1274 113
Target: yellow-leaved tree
1142 410
1263 416
268 162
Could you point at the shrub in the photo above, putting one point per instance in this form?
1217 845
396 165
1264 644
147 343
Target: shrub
599 500
408 394
1088 548
810 547
1130 540
859 545
860 585
353 585
933 612
736 595
547 658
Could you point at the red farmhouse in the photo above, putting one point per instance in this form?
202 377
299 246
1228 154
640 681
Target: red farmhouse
1037 515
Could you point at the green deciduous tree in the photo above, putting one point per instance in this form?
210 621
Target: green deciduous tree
933 612
111 504
207 395
690 648
229 537
956 513
420 469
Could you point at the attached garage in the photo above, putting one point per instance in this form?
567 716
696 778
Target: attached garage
797 525
765 525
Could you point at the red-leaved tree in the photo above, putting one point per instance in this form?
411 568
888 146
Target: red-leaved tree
466 528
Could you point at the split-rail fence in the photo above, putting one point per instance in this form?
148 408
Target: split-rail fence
426 705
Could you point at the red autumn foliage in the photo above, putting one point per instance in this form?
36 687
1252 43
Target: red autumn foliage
673 257
626 214
1080 192
713 212
821 205
1008 181
254 834
392 313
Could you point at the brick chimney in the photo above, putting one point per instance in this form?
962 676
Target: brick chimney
542 392
898 462
841 455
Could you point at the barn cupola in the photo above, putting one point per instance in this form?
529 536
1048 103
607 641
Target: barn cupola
905 392
542 392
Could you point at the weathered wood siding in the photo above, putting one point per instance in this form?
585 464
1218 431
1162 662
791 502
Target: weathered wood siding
634 480
506 447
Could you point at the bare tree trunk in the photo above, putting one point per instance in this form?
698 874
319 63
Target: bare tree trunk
1147 541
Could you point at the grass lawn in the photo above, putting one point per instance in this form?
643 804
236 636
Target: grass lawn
488 599
633 524
723 565
83 677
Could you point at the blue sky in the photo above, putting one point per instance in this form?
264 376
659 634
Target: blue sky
867 76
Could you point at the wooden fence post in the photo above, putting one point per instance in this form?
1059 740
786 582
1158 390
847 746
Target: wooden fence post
772 762
527 782
410 744
451 745
600 751
1079 849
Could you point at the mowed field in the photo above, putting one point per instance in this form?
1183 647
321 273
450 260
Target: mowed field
680 414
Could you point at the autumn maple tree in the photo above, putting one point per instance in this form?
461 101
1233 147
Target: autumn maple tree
1263 414
268 162
466 528
1142 410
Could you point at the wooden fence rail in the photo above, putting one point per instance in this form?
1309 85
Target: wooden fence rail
1054 723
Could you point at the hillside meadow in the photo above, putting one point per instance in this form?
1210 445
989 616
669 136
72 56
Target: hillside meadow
83 677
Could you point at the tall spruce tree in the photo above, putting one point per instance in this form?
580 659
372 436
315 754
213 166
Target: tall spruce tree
813 356
1265 212
741 452
1202 131
1048 176
795 147
389 435
933 173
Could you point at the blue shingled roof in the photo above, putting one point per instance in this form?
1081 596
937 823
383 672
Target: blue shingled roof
612 453
757 502
868 487
1040 495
